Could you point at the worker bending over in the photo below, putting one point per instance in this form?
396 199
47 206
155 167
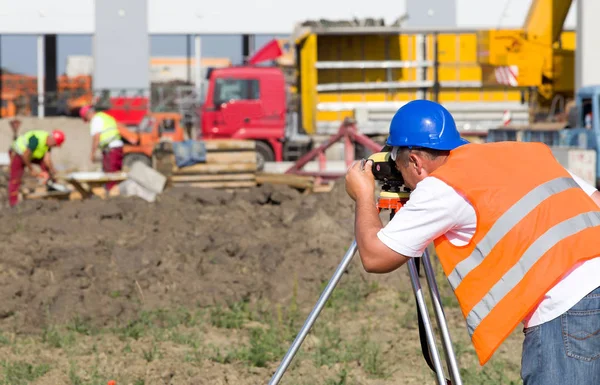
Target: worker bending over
32 147
516 234
106 137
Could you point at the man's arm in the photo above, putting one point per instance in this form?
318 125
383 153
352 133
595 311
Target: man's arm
96 127
27 160
95 141
375 256
434 208
49 164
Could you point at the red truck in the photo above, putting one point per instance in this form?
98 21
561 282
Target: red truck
251 102
248 103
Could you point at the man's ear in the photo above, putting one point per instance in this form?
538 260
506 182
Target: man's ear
415 161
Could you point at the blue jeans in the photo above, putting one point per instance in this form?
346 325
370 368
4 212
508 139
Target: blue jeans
566 350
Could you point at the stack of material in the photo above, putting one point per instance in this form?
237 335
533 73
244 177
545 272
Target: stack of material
229 164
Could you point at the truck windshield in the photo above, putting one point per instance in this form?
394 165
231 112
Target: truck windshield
228 89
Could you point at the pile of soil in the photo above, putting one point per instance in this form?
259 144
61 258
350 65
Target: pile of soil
104 261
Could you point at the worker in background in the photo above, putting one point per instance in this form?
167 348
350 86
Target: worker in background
516 234
15 125
588 121
32 147
106 137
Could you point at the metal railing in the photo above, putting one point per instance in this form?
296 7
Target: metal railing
470 117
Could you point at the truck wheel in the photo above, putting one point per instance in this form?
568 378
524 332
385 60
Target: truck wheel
264 153
131 158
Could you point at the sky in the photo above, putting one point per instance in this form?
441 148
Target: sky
18 52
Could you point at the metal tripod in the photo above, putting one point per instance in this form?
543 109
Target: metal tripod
391 201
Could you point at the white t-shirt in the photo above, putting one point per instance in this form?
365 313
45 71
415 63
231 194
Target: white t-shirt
435 208
97 126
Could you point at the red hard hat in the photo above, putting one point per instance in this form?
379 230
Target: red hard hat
59 137
84 110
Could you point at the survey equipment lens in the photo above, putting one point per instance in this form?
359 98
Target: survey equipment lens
385 171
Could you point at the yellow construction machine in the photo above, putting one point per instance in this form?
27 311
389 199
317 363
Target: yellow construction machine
539 55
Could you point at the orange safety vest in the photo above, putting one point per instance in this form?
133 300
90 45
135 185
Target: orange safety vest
534 224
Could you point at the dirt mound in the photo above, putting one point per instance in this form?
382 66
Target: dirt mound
103 261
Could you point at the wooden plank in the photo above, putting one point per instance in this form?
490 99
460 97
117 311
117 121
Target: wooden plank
231 157
47 195
291 180
80 189
216 184
219 177
229 145
323 188
204 168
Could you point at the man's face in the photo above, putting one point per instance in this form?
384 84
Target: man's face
414 167
88 116
409 173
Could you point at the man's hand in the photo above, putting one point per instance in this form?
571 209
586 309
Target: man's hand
43 177
360 182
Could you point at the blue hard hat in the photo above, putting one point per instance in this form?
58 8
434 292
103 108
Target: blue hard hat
423 123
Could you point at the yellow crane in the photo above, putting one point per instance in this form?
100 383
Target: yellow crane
537 51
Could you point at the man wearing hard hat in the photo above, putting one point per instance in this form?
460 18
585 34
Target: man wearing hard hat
106 137
32 147
516 234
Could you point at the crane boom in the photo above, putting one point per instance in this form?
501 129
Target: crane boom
545 20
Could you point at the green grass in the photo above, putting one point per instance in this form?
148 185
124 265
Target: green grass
21 372
356 339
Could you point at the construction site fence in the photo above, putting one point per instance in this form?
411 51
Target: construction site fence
159 98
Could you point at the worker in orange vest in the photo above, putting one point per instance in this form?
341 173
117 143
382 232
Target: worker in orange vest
106 137
515 232
32 147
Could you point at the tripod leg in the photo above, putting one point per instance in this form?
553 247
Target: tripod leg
441 320
435 356
287 359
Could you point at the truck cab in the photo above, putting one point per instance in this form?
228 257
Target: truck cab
247 103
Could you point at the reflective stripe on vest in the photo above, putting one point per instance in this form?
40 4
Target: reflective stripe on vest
533 225
110 131
21 143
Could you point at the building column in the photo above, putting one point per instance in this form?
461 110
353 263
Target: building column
248 47
40 75
198 64
50 81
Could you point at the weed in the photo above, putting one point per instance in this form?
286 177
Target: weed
372 360
328 352
351 294
4 340
55 338
216 356
190 339
449 301
493 374
18 373
73 376
140 381
232 317
341 378
81 326
264 347
150 355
